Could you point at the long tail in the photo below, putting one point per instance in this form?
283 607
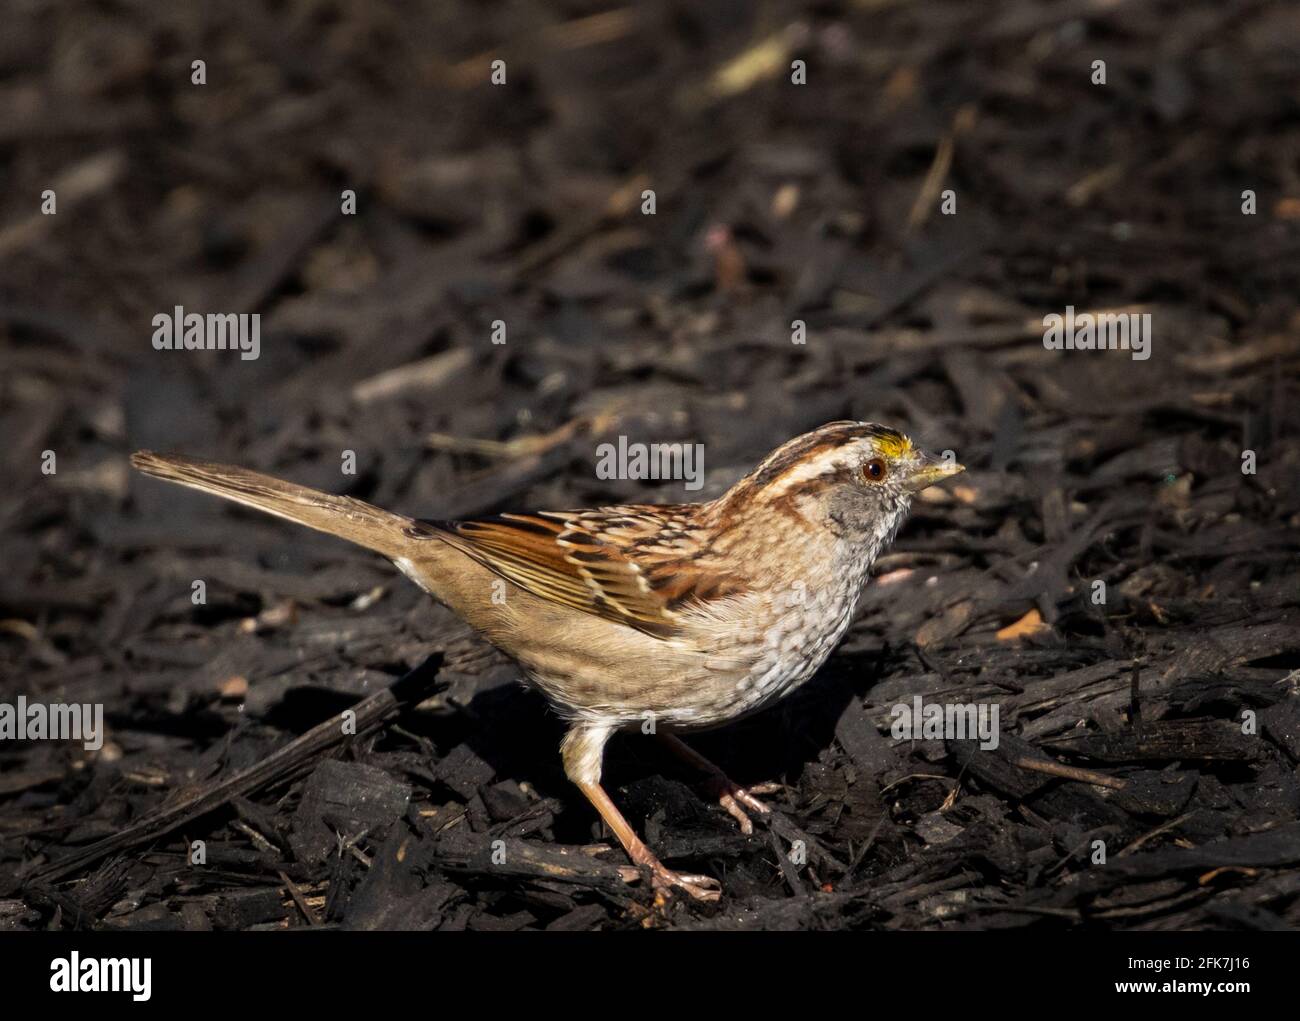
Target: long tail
350 519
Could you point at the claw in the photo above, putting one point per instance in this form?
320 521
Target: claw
731 800
703 888
664 880
732 797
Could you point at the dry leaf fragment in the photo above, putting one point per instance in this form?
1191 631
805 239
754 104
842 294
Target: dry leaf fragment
1029 624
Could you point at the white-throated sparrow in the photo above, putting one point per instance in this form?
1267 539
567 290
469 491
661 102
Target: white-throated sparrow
689 614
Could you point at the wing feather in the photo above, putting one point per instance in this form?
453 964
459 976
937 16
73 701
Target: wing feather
561 557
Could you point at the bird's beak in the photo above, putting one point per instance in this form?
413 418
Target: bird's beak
928 470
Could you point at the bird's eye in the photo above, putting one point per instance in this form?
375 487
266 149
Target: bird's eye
874 470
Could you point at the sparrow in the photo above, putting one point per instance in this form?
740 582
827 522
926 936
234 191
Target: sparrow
666 618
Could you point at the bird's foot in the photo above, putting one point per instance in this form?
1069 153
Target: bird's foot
664 881
734 799
702 888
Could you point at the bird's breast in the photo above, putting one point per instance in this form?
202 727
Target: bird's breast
788 634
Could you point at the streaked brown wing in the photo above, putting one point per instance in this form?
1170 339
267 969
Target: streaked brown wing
669 544
610 563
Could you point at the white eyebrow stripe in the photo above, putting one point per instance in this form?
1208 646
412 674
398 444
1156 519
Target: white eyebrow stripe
826 463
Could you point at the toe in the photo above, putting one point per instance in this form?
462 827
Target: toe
746 797
701 888
732 805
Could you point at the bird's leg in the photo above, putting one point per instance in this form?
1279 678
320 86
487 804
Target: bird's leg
662 878
582 751
730 795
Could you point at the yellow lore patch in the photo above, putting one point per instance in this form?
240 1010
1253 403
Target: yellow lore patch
893 446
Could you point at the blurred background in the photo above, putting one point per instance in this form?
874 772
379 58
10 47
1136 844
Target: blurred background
524 203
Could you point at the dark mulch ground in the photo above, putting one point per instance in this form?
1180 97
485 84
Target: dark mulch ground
1177 696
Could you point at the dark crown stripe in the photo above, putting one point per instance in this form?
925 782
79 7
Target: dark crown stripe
827 438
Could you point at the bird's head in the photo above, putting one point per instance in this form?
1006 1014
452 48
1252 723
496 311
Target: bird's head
856 478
